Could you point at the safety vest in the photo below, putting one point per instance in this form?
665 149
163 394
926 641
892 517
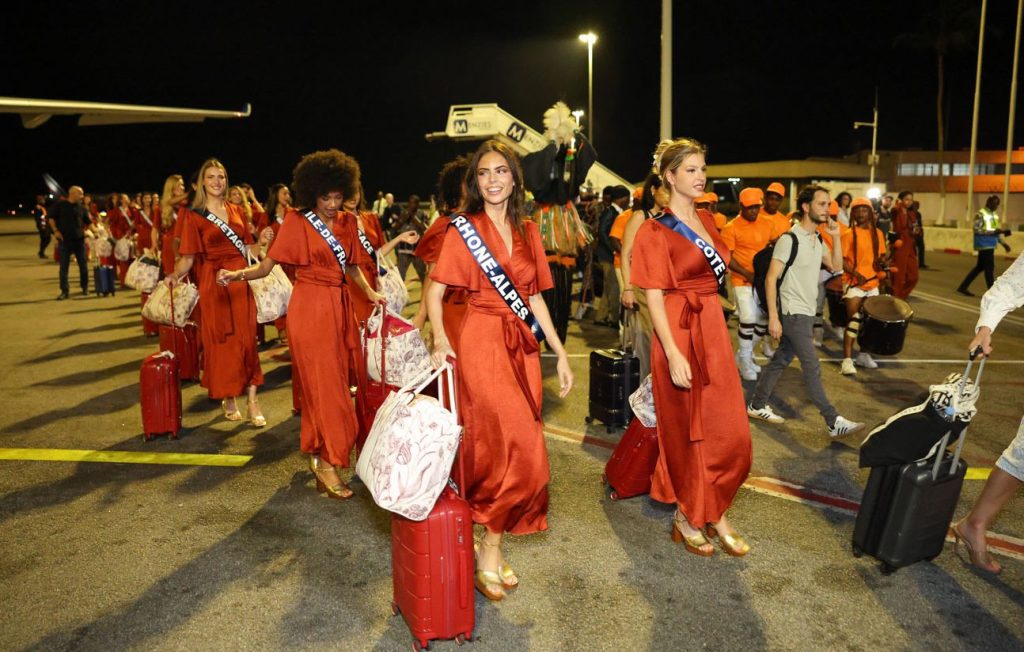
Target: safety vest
986 220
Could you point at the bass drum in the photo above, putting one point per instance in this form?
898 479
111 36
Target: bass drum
836 305
883 325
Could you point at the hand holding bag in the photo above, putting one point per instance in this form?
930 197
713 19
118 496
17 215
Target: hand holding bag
391 285
409 452
162 308
272 293
144 272
408 358
642 402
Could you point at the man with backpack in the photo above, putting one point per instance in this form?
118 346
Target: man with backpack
791 290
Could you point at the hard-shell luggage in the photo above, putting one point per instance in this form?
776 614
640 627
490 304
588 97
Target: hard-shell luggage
628 471
907 508
103 279
614 375
432 568
184 343
149 328
160 395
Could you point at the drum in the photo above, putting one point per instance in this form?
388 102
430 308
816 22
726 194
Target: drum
836 308
883 325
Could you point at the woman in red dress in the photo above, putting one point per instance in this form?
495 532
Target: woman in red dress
703 432
146 222
228 327
279 202
368 225
122 223
451 188
499 361
172 202
324 334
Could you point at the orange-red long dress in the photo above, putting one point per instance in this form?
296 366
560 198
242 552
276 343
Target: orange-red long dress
703 432
428 249
275 224
146 230
122 225
228 327
500 388
361 304
322 334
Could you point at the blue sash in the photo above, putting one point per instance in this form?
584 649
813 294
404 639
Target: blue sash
232 237
368 246
496 275
325 233
710 253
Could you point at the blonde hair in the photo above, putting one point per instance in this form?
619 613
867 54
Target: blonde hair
246 207
200 198
166 209
673 154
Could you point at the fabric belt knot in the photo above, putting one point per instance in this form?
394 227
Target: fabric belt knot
519 342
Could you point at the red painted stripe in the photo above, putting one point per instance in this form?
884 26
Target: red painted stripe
583 439
951 251
779 486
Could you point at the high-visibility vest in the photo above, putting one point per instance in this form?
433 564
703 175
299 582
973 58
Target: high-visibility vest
989 221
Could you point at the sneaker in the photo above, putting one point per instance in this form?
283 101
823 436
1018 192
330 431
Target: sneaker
847 368
764 414
839 332
865 360
748 370
766 348
844 426
62 296
819 337
965 292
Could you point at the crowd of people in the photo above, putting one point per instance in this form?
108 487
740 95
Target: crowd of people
665 257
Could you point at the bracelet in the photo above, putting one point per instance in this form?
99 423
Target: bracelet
242 277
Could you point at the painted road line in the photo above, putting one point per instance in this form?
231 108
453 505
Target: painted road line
121 457
792 492
964 307
975 473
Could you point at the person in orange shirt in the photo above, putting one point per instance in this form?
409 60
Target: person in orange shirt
863 256
618 231
709 202
829 279
772 201
745 236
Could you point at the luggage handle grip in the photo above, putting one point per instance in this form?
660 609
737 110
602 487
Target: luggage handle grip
941 453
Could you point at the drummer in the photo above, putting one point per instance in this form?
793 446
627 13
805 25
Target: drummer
863 261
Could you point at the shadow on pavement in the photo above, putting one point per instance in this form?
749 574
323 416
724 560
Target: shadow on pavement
100 406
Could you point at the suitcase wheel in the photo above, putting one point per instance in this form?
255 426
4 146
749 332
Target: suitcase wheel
460 639
417 646
295 412
394 608
614 495
932 558
887 569
857 552
609 430
588 419
174 435
146 437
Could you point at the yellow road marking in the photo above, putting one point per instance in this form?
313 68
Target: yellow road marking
121 457
974 473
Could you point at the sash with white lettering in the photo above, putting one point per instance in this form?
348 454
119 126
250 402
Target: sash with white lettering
363 240
325 233
496 275
232 237
710 253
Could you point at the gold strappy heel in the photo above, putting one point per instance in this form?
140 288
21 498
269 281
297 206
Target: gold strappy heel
732 544
693 543
339 491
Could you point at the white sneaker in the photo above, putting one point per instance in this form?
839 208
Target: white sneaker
764 414
843 426
838 332
865 360
766 348
819 337
748 370
847 368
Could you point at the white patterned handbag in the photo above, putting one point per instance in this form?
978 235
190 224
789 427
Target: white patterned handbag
391 285
409 451
102 245
163 308
642 402
272 293
123 249
407 355
144 272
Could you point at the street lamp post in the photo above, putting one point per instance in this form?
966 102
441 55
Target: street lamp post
590 38
874 140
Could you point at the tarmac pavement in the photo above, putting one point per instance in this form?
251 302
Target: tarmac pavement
112 556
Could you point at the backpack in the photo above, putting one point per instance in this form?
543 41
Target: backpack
762 260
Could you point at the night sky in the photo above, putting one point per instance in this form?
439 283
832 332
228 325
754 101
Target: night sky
754 80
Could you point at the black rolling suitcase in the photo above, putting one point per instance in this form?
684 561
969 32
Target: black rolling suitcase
614 375
906 510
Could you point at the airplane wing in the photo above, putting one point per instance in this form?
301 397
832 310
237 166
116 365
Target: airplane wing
35 112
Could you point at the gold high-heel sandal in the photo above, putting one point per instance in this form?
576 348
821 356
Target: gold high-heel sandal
974 556
509 579
693 543
233 415
732 544
339 491
257 420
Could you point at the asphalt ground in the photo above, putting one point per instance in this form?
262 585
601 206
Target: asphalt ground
154 556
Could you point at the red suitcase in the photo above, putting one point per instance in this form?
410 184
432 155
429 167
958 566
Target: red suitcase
629 470
184 343
432 569
149 328
160 395
370 394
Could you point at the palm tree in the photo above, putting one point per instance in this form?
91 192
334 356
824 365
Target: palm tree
946 27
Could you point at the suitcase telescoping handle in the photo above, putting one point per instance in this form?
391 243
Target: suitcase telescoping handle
963 433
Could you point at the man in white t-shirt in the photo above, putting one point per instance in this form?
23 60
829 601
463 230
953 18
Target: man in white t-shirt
792 305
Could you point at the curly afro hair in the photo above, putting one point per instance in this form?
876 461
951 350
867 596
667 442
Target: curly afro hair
322 172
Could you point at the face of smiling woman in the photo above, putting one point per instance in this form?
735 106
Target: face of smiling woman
494 179
214 181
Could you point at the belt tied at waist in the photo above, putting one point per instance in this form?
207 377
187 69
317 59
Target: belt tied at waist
519 342
331 278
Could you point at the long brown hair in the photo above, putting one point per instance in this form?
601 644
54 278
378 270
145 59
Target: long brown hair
516 206
166 208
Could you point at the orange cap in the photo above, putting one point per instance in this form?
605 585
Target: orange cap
778 189
751 197
833 208
638 194
861 201
710 197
